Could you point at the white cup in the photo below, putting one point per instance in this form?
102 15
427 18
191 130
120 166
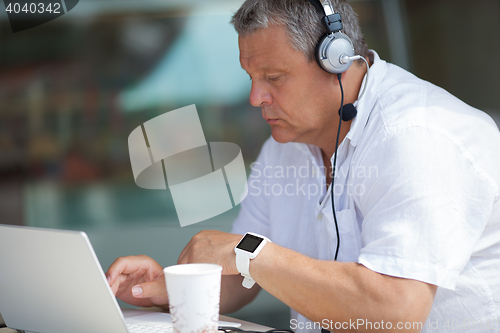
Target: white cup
194 296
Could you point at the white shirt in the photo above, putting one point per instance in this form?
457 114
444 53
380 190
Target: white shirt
416 196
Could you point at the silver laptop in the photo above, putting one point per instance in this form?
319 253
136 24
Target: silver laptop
51 282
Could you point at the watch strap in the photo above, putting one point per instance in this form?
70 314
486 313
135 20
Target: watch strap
243 264
248 282
243 260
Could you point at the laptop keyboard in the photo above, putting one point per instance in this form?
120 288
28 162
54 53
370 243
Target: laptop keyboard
134 328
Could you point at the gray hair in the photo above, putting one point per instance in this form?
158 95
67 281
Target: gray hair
302 20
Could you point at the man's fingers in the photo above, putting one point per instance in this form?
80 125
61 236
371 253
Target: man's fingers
117 268
114 288
127 265
184 257
116 284
150 289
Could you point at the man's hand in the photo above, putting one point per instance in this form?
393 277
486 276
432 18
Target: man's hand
214 247
138 280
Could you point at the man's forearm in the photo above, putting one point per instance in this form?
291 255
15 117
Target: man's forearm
339 291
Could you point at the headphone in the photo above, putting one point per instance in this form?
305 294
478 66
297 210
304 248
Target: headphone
334 54
334 51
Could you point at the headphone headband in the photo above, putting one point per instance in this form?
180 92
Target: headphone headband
333 47
331 21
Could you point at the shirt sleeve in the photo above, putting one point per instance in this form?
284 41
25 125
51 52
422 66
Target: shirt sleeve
254 209
424 209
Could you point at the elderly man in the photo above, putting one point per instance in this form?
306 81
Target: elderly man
415 193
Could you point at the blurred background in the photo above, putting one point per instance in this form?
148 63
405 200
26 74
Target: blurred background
73 89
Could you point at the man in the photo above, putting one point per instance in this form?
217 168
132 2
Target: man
416 193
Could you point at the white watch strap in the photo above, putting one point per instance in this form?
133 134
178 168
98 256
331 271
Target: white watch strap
243 264
248 282
243 260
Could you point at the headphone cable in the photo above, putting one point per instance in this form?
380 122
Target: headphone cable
332 185
344 59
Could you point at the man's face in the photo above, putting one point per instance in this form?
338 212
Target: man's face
297 97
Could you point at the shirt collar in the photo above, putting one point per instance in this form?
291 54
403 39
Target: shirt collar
366 104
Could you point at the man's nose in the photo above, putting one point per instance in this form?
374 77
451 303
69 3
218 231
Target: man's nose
259 95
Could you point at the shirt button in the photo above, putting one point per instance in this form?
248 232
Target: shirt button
320 216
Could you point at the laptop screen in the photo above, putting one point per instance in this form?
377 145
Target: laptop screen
51 281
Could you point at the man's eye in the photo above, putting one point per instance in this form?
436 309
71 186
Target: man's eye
274 78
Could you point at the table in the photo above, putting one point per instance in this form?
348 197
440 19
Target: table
245 325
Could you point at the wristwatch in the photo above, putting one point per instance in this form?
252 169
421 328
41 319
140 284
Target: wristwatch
248 248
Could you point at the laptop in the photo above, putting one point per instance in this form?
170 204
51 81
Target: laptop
51 282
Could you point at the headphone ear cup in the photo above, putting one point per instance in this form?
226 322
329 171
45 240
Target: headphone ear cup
317 51
330 49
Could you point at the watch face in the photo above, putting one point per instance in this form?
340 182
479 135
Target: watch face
249 243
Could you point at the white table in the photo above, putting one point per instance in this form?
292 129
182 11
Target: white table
245 325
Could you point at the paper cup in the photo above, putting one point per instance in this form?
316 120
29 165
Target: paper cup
194 297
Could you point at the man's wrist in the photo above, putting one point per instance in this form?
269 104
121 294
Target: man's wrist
247 249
